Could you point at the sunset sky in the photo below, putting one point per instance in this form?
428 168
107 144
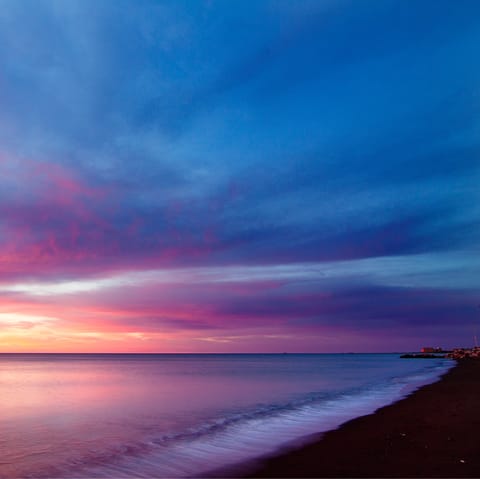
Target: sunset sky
239 176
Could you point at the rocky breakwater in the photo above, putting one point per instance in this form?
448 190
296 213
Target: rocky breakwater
422 356
464 353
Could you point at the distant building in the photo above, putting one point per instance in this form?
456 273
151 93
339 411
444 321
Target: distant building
429 349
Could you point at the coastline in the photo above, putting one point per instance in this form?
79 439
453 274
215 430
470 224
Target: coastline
431 433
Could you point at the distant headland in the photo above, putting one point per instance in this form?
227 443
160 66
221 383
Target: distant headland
434 353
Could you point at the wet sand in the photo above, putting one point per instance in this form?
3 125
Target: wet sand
435 432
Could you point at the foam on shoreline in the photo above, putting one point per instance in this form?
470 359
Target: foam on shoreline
431 433
240 439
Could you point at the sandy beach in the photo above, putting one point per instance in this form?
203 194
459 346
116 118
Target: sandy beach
434 432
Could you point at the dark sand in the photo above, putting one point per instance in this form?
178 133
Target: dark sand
435 432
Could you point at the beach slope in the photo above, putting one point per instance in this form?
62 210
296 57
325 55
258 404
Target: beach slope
435 432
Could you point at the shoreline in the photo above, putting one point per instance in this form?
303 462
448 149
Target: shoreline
431 433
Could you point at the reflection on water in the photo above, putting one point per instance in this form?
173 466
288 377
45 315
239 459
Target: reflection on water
63 412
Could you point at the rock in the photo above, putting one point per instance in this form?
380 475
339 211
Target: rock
465 353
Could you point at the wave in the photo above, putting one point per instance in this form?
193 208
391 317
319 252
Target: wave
241 436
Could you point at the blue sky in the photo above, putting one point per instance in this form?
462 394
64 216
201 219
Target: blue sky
317 159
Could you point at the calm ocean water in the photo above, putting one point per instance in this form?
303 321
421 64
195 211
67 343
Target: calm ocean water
182 415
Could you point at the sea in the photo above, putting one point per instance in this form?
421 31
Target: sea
182 415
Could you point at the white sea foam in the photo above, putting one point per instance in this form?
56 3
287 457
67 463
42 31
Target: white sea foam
240 438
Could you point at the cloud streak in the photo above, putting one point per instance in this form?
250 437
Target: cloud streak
193 177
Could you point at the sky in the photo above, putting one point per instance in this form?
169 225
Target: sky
239 176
